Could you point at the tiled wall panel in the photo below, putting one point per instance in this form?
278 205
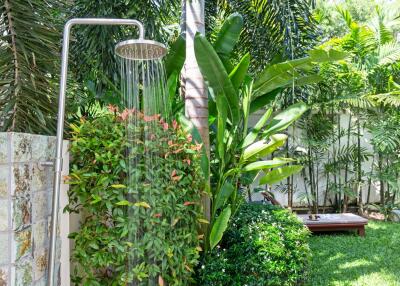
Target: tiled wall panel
25 207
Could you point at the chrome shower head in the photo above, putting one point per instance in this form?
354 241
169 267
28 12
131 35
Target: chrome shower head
140 49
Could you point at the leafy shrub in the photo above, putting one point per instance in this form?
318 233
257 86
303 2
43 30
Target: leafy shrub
145 231
265 245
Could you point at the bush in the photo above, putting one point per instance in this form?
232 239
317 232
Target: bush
140 224
265 245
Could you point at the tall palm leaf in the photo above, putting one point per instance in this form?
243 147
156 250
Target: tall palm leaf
93 56
273 27
29 60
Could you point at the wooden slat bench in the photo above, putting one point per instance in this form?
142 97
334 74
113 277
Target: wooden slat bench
334 222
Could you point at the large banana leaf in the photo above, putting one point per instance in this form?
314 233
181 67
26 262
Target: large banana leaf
279 174
282 74
221 123
277 75
229 34
219 227
252 136
223 195
239 73
284 119
216 76
264 100
268 164
172 84
176 57
262 148
247 92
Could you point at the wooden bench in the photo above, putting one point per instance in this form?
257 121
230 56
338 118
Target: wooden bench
334 222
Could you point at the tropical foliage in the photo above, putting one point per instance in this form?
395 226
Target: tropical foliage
29 65
356 96
94 63
273 30
237 152
128 236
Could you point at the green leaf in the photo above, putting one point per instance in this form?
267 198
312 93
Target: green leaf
176 57
279 174
268 164
284 119
219 227
94 245
123 203
262 148
215 75
308 79
203 221
229 34
223 195
96 199
320 55
239 73
172 84
118 186
283 74
264 100
277 76
221 123
247 92
142 204
252 136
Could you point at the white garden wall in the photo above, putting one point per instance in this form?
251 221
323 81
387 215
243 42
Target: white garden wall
298 179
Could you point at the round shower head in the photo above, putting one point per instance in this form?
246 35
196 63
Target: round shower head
140 49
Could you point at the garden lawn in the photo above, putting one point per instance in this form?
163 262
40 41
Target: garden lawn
346 259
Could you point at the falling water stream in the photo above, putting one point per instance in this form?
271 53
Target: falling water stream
143 86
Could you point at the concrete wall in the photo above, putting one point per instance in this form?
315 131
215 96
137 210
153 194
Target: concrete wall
26 187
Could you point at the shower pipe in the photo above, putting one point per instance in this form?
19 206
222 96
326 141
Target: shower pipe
60 124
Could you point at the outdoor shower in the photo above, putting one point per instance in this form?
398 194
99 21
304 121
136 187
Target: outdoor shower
143 89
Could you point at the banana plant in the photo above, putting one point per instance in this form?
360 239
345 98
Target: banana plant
236 150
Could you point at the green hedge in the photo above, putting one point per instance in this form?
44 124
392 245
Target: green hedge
265 245
145 232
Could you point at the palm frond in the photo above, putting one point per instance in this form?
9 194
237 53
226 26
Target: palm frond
389 53
274 29
29 57
351 100
388 99
94 55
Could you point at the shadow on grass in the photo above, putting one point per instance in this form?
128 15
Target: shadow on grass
347 259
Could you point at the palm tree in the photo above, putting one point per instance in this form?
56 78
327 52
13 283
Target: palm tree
196 100
196 96
29 60
283 29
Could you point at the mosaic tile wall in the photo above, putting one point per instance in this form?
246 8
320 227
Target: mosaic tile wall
25 208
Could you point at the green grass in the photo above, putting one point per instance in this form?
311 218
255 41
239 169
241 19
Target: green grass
349 260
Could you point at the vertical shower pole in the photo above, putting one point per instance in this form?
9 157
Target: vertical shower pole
60 124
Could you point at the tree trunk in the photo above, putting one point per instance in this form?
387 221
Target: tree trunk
381 182
196 98
346 171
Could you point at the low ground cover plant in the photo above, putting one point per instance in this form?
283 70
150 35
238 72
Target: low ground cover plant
140 221
265 245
